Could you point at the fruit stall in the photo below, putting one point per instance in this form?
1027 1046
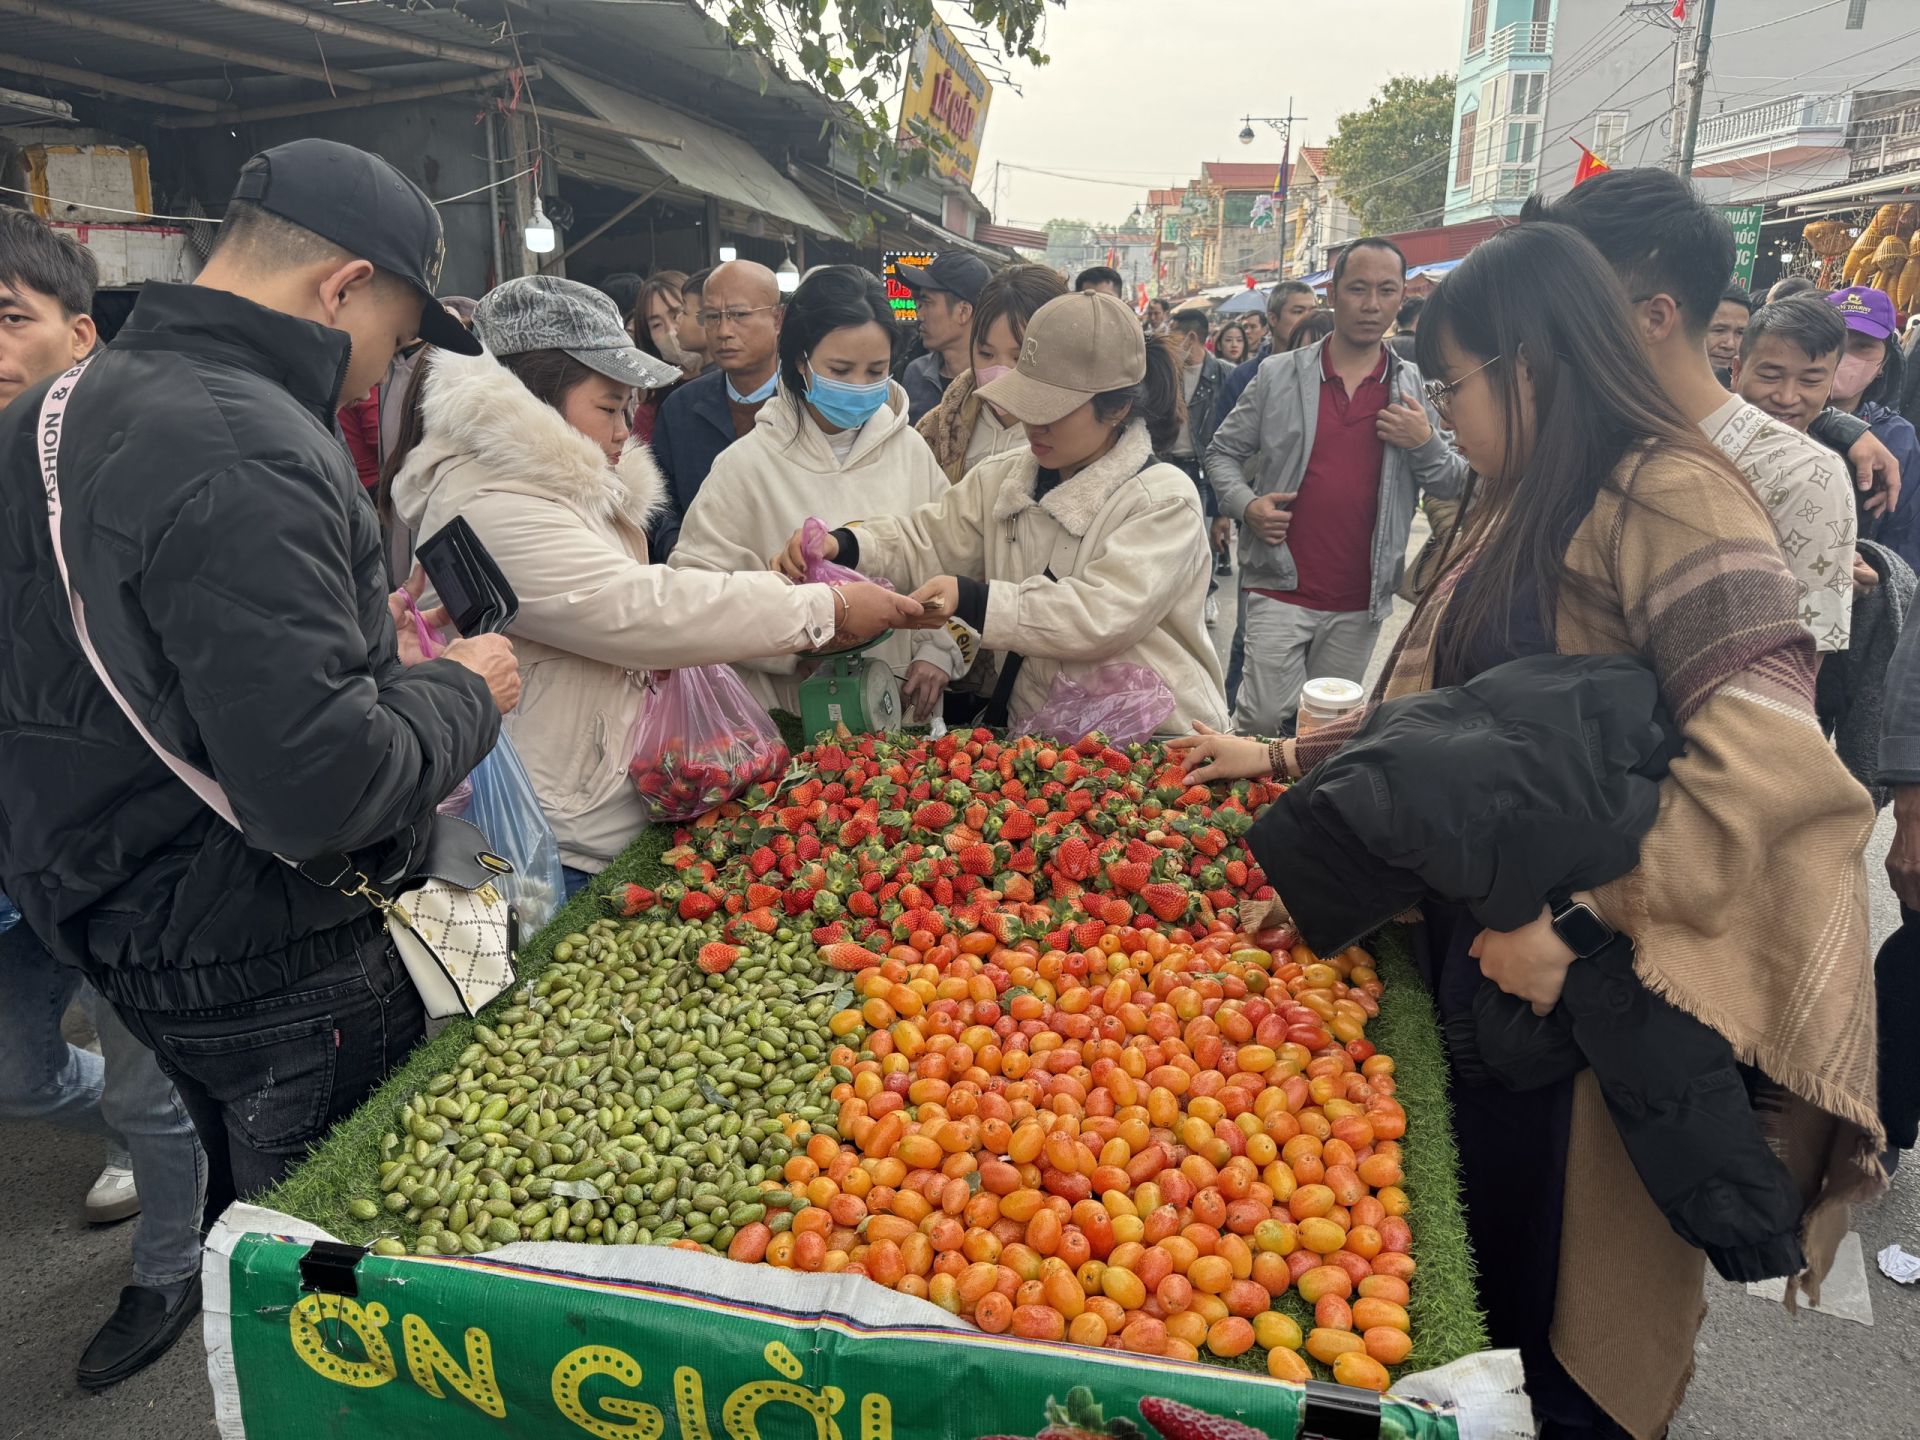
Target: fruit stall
948 1087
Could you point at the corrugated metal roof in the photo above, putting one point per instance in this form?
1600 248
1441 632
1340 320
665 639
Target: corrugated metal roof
41 38
708 160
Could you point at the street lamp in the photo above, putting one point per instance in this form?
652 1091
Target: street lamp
1284 125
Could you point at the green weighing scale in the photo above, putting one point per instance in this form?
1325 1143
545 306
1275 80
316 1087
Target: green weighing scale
853 689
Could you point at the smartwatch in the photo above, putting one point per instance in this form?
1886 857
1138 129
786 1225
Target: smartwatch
1584 932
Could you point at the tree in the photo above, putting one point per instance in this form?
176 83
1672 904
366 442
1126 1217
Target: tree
860 57
1392 156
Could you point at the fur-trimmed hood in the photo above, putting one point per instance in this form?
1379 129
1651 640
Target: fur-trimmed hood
1075 503
483 429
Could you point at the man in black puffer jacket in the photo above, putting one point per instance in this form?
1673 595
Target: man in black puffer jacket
1531 782
234 586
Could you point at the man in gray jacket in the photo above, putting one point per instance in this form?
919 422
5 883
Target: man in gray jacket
1323 460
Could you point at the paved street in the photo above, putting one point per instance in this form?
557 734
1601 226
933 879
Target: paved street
1763 1374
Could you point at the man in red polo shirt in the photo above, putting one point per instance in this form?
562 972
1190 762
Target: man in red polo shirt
1324 458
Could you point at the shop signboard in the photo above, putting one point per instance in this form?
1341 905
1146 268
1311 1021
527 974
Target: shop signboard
947 94
898 295
1745 220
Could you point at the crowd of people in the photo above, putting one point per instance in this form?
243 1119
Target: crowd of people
208 569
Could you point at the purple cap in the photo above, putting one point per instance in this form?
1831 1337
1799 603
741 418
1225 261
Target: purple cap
1865 309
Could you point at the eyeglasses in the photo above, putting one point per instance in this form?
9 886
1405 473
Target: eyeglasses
737 315
1440 392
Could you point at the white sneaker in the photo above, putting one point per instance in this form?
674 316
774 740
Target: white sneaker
113 1197
1213 609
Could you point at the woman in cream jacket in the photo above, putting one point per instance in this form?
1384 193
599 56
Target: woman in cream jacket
527 447
1082 551
834 443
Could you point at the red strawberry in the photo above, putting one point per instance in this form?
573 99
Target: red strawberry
862 905
977 859
1182 1422
797 899
762 919
697 905
1141 851
717 959
848 956
1168 902
1075 859
1088 933
1017 826
1116 912
830 934
1129 876
1024 860
1237 874
934 815
762 860
808 847
760 896
632 899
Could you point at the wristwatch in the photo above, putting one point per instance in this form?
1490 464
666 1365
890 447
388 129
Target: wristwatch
1575 922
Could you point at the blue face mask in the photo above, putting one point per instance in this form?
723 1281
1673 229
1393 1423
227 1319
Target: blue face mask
840 403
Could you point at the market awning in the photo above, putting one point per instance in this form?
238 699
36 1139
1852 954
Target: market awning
1888 187
707 160
847 198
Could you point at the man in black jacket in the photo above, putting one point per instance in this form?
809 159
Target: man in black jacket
233 585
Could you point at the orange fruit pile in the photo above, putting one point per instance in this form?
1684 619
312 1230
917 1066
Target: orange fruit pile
1141 1144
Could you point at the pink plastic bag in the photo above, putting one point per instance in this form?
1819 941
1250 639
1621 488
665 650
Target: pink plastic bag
701 741
1125 703
457 803
822 571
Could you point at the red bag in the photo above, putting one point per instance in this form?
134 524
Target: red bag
701 741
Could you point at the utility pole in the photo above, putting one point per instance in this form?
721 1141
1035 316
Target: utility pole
1285 126
1687 121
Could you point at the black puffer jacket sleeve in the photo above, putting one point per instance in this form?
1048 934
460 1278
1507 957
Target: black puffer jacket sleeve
320 746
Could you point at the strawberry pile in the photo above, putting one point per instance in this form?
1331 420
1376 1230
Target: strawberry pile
879 838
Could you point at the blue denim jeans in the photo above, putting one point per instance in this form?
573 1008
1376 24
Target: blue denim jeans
577 880
120 1095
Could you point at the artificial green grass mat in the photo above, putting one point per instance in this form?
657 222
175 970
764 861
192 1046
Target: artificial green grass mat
1445 1308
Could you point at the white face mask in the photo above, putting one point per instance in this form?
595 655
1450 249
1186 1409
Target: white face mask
1853 374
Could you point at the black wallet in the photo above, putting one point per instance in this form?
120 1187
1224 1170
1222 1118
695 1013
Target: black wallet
468 582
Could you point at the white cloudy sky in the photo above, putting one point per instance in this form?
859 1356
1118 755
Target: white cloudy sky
1139 92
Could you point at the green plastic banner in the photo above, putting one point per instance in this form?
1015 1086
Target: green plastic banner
660 1344
1745 220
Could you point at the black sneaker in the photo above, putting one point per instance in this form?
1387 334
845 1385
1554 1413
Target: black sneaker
139 1332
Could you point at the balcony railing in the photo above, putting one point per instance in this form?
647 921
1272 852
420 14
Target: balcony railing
1885 136
1789 116
1504 182
1534 37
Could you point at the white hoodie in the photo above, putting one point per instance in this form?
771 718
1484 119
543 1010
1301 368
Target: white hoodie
765 485
569 533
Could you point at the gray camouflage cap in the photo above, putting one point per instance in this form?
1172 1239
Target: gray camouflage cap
545 312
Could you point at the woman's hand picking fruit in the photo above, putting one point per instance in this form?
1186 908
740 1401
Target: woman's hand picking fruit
792 561
1209 755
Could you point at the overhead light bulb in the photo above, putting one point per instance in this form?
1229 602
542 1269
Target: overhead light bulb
1246 134
540 238
788 276
727 253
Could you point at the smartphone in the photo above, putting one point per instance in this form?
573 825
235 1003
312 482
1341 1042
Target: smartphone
467 580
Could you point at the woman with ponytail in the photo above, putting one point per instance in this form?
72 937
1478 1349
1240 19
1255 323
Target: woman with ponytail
1079 551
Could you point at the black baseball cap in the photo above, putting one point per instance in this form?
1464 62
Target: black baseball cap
369 209
958 274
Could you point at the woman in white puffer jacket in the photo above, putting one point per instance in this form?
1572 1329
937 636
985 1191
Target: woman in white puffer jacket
528 444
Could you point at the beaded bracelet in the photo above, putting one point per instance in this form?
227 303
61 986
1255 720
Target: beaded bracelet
1277 757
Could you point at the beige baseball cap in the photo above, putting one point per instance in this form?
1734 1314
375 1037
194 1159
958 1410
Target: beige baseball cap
1076 347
